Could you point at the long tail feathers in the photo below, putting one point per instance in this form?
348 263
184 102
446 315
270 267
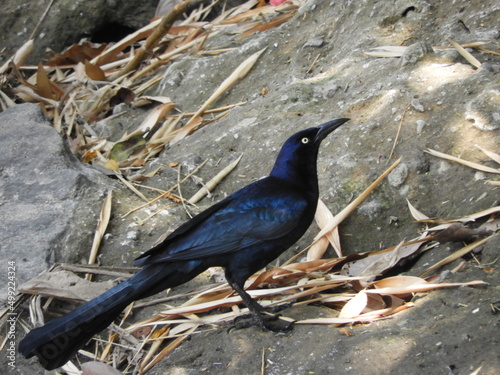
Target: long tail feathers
57 341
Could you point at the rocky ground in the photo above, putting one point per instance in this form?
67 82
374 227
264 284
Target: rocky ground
313 70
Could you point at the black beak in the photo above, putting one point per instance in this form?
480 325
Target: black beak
327 128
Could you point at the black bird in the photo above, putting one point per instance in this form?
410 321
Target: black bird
242 233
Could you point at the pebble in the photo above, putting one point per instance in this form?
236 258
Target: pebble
314 42
417 106
420 125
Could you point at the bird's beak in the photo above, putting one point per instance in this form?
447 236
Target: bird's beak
328 127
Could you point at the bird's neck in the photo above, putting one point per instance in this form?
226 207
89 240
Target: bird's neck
302 175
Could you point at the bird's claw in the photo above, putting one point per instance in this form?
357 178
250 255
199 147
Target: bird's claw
267 322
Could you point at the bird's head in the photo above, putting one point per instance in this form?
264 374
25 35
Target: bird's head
297 158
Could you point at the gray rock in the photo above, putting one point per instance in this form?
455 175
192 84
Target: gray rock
398 176
417 106
314 42
415 53
370 209
484 110
48 199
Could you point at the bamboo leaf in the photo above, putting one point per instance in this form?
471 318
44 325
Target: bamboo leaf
355 203
240 72
471 59
101 229
469 164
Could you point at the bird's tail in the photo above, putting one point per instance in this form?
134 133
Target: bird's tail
58 340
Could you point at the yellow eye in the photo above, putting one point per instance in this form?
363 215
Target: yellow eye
305 140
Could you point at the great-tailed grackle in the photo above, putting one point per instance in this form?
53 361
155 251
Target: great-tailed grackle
242 233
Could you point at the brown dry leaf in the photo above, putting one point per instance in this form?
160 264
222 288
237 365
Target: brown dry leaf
321 265
340 321
169 349
345 331
466 219
6 101
318 249
378 262
400 285
45 87
94 72
263 26
123 95
459 232
111 52
76 53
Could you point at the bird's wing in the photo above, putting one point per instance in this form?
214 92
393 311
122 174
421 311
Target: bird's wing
230 226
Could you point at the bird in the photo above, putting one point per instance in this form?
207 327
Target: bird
242 233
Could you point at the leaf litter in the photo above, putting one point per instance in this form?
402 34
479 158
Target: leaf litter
353 287
87 81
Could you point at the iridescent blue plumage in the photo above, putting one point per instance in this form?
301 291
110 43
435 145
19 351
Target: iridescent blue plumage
242 233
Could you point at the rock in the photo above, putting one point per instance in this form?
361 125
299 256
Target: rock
398 176
484 110
420 125
68 22
314 42
98 368
415 53
49 202
370 209
417 106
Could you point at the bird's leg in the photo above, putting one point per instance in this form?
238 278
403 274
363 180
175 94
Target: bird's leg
266 321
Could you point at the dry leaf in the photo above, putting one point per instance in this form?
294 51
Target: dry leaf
322 217
411 284
64 285
492 155
465 54
45 87
214 181
19 57
469 164
240 72
355 306
101 229
458 254
356 202
76 53
386 51
417 215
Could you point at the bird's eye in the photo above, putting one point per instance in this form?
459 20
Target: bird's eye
305 140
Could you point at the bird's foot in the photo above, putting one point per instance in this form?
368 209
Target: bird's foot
277 308
267 322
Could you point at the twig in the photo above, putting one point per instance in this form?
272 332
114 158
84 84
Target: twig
180 192
32 36
313 63
397 134
159 32
166 193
